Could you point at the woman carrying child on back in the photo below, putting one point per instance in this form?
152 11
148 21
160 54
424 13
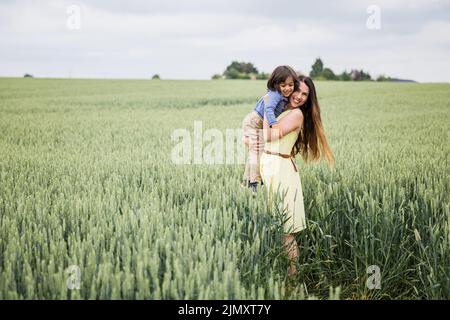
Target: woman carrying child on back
281 84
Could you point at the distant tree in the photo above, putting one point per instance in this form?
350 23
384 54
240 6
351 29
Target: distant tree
359 75
27 75
243 70
216 76
262 76
366 76
382 77
244 76
156 76
318 72
240 70
317 69
345 76
242 67
328 74
231 73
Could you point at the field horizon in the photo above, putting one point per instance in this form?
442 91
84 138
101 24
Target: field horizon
190 79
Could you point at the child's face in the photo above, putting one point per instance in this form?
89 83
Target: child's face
287 87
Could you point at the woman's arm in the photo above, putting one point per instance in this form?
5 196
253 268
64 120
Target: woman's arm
292 121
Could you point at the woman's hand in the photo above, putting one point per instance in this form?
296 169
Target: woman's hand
271 134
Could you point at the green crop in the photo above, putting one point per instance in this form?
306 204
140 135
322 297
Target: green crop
86 180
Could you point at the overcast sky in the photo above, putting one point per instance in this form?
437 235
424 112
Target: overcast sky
195 39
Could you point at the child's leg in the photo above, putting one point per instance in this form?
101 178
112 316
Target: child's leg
253 130
246 128
260 146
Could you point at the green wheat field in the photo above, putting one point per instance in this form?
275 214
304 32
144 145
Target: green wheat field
87 180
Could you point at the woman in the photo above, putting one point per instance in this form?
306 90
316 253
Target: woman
300 131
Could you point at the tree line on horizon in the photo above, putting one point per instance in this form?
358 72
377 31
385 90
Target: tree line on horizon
246 70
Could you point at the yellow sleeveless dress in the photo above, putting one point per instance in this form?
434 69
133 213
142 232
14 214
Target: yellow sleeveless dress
280 175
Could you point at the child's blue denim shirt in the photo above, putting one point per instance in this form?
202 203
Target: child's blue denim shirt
276 103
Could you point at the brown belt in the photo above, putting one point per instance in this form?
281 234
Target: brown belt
283 156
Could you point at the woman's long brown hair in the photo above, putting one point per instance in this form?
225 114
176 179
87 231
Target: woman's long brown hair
312 142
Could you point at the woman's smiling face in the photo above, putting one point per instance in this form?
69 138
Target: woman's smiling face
299 97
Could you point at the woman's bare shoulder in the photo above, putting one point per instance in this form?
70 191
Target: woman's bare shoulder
295 114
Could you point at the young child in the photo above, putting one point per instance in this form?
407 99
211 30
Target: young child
282 82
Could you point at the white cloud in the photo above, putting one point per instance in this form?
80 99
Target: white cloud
198 38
